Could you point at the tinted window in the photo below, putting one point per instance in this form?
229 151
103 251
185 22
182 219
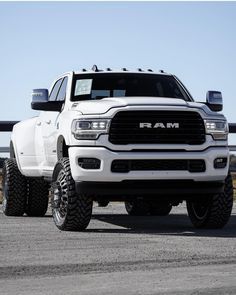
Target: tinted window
96 94
97 86
62 92
55 89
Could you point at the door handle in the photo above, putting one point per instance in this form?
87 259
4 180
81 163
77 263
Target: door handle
39 123
48 122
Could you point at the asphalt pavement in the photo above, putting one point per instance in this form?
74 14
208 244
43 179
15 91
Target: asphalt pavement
117 254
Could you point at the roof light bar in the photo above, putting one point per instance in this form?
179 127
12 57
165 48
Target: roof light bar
95 69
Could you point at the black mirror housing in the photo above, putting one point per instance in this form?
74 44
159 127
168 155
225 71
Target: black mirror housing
51 106
40 101
214 100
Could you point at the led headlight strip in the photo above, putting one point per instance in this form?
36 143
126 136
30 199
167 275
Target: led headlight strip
90 128
217 128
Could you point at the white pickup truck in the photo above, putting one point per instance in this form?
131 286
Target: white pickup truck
132 136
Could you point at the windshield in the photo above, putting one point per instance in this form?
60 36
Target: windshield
98 86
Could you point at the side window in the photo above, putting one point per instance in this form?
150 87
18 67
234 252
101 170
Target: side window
62 92
54 91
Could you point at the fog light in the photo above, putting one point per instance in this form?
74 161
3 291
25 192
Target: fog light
220 163
89 163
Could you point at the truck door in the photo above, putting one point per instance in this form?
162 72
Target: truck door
50 121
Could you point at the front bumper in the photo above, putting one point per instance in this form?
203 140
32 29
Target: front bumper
172 190
104 173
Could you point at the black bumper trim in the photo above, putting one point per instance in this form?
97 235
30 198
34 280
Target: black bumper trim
159 188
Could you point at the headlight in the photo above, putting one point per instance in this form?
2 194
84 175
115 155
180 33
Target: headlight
90 129
218 129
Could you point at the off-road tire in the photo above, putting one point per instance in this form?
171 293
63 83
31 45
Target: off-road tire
37 201
71 211
137 208
217 208
14 186
160 209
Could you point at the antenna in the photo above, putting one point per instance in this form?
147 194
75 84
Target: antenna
95 68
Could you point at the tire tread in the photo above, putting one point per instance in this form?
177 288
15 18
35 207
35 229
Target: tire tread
79 208
17 189
219 211
37 203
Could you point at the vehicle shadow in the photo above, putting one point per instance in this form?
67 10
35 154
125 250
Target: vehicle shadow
174 224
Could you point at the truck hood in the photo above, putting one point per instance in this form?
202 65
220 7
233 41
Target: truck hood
97 107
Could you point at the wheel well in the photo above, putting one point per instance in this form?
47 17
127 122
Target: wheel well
62 148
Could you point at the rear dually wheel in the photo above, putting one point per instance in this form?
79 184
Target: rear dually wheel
14 186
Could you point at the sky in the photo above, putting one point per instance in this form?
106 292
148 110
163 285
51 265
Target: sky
196 41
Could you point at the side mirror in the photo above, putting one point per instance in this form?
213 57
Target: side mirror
40 101
214 101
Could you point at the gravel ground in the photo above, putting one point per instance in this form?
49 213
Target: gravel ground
117 254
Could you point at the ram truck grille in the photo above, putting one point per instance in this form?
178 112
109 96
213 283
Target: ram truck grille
157 127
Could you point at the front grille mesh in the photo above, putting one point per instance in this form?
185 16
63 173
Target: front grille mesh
125 166
125 128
